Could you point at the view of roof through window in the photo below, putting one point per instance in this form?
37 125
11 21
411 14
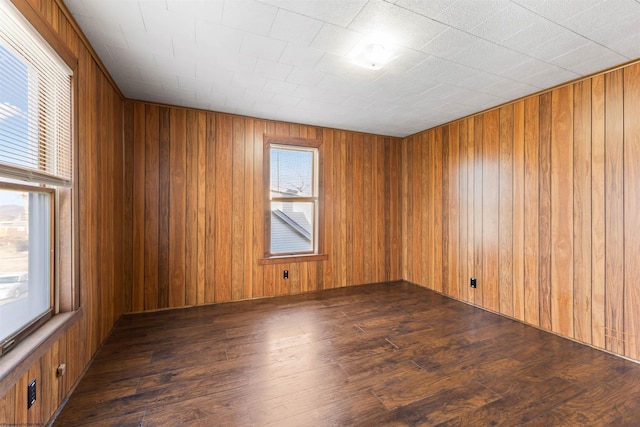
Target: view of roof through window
291 222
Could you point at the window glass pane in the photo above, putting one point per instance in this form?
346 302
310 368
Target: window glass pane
291 173
292 227
25 220
16 115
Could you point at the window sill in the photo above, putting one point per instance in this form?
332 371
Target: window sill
18 361
292 259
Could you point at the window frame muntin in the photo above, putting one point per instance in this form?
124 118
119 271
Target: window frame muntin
290 143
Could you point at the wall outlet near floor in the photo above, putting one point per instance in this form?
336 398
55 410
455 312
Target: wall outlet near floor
285 274
31 394
473 283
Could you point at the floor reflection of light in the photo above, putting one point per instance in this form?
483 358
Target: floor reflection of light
292 372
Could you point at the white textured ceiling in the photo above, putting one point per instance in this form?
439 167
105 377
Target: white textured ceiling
291 60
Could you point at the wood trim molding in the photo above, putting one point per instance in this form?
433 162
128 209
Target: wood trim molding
293 259
85 42
46 31
18 361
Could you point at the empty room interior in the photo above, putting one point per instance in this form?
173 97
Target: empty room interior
319 212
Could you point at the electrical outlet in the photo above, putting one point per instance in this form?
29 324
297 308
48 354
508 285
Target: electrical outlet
31 394
285 274
473 283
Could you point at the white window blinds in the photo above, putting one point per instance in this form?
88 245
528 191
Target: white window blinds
35 105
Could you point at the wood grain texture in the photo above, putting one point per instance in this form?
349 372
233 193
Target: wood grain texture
631 209
151 223
582 211
505 212
453 208
478 203
382 354
549 209
177 207
598 206
614 212
544 211
518 230
215 178
531 216
164 205
562 211
491 208
463 270
103 224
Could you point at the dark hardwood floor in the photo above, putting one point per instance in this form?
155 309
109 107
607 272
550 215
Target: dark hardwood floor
384 354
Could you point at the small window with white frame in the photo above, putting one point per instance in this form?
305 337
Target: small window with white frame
293 187
35 170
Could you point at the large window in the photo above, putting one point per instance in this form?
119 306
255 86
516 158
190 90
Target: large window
35 173
293 196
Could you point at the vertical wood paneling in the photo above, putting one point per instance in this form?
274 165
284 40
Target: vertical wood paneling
151 187
490 207
478 204
248 246
215 207
328 197
518 211
191 237
389 215
223 207
436 210
105 213
582 211
598 277
471 226
258 200
209 208
202 204
425 222
139 198
614 213
562 211
8 407
177 208
505 212
463 273
614 219
632 209
540 203
414 186
379 202
544 211
164 205
454 209
367 203
128 202
393 227
237 211
356 199
445 210
531 211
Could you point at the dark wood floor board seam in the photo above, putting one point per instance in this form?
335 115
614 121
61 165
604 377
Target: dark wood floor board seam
381 354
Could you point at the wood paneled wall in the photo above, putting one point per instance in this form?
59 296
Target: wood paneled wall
198 208
540 201
100 236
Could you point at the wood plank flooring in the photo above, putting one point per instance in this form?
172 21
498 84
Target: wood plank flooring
384 354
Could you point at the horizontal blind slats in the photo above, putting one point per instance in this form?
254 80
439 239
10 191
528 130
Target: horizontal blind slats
35 105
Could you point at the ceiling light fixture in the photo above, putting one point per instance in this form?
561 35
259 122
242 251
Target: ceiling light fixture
372 55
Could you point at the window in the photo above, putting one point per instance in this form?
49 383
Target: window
35 174
292 177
